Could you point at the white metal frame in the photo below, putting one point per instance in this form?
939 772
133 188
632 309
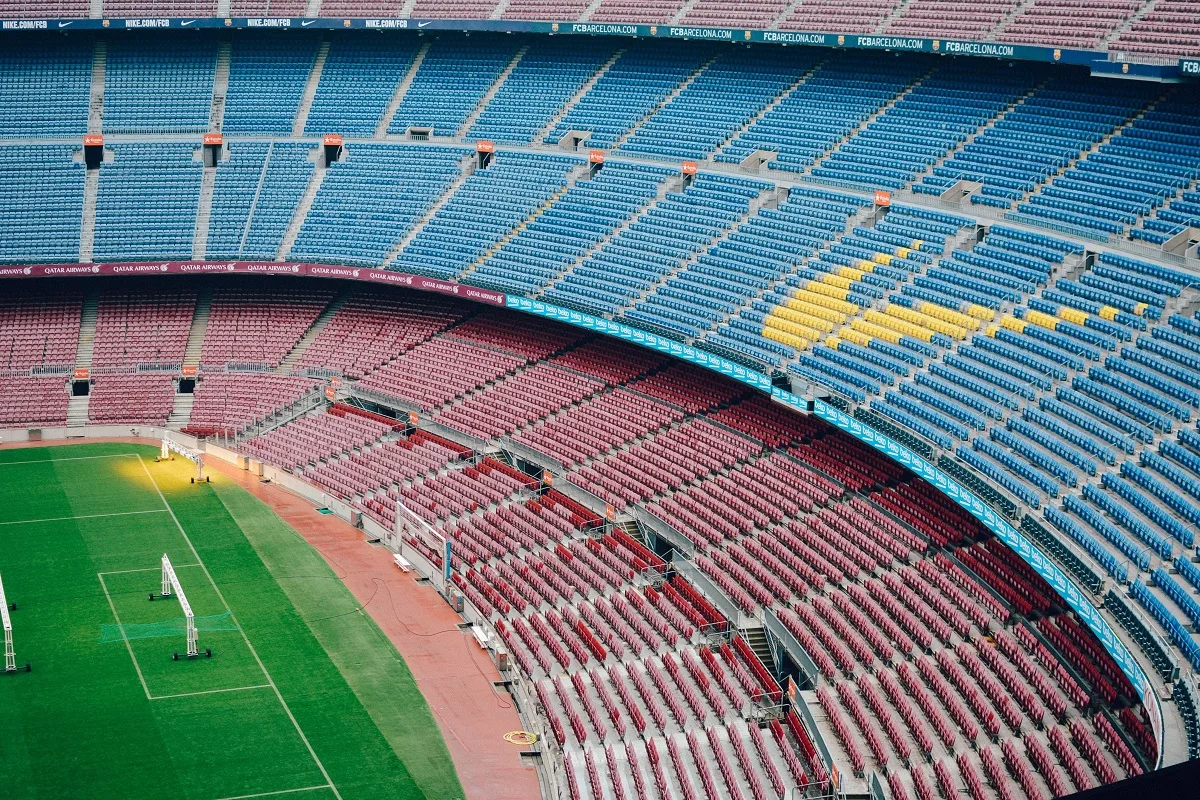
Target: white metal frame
170 582
170 445
10 658
408 522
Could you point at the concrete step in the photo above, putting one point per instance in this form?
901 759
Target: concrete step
310 90
87 326
191 353
381 128
313 332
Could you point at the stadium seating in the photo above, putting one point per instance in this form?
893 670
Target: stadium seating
255 193
357 82
400 182
39 327
147 202
143 325
42 203
267 76
46 88
256 326
178 74
452 79
135 398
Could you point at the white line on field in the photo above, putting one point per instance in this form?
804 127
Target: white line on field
128 646
283 791
72 458
84 516
144 569
211 691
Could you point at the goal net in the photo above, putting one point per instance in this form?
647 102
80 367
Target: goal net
418 536
10 658
170 585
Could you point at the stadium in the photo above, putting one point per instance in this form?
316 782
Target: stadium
599 400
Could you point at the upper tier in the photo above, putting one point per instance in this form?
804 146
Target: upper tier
1133 29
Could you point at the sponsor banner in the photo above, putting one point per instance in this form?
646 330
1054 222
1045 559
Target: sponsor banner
883 198
596 156
93 140
810 38
330 393
413 419
1189 67
689 168
213 138
189 370
80 374
332 140
484 146
420 282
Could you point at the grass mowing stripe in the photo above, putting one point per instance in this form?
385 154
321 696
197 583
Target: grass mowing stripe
253 652
376 673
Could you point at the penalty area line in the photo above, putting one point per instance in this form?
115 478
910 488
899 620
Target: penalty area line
280 792
142 569
72 458
85 516
211 691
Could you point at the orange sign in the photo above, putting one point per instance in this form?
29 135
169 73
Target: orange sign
484 146
547 478
335 382
413 419
330 393
188 371
93 140
690 168
596 156
333 140
81 373
213 138
610 513
883 198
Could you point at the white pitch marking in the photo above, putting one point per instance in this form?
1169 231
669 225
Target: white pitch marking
72 458
211 691
128 646
83 516
283 791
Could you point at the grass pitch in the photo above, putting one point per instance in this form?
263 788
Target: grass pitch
304 697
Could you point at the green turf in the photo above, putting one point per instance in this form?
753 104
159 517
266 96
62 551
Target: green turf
303 689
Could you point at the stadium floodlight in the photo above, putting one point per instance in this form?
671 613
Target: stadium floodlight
412 528
10 658
170 584
169 446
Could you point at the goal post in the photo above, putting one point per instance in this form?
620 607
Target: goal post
10 658
170 585
415 534
170 446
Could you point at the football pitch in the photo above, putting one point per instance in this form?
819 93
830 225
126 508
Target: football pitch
304 698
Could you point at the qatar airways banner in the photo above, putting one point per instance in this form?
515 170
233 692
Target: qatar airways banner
420 282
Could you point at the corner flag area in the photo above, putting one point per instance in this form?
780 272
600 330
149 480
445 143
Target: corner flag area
113 708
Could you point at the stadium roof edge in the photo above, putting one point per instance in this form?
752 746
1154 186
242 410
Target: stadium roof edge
1101 63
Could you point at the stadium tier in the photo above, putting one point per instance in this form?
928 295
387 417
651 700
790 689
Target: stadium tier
987 270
